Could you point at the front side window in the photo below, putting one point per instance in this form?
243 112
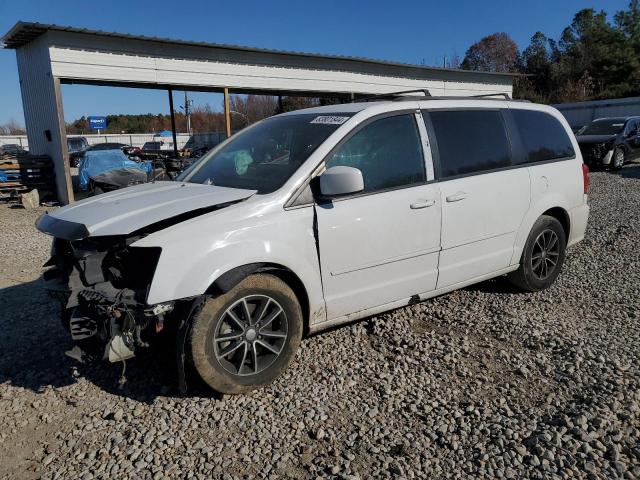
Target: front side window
388 152
264 156
470 141
542 136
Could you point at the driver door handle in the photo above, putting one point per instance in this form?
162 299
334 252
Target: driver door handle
456 197
422 204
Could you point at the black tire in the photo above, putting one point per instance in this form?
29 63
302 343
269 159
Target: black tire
531 275
618 159
97 191
249 364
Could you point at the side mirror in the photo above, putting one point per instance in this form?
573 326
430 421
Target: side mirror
341 180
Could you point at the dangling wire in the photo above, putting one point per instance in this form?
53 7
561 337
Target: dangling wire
123 378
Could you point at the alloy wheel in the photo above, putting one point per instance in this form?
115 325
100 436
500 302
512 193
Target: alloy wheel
250 335
618 158
545 254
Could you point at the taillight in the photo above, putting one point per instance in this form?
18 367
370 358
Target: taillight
585 178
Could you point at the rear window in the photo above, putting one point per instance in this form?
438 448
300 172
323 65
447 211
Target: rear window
542 136
470 141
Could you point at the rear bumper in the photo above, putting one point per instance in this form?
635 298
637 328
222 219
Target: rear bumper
578 218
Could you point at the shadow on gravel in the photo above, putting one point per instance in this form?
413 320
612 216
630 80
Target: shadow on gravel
495 285
630 171
33 341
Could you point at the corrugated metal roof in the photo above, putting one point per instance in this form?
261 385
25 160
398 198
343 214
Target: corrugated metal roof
24 32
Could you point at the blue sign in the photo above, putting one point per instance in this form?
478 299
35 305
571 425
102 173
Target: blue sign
98 123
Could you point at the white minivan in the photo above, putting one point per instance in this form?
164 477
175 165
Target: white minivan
314 218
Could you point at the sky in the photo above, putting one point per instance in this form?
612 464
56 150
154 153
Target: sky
404 31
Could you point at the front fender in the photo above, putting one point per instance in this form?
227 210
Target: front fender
196 253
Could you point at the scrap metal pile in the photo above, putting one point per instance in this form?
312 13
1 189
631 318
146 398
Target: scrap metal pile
20 173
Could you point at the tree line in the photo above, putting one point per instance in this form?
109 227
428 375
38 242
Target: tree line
593 59
245 110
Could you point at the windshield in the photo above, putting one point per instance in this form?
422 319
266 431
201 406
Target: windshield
75 143
264 156
603 127
151 145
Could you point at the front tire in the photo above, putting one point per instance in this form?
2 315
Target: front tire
542 257
247 337
617 161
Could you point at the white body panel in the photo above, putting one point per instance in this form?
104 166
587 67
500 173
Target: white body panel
481 215
376 248
197 252
123 211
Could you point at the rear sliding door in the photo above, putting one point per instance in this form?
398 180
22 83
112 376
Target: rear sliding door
484 199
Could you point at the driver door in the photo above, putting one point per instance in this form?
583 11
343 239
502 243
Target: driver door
632 139
382 244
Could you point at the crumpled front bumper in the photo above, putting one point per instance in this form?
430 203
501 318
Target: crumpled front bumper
102 285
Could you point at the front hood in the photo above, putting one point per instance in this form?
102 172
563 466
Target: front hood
122 212
589 139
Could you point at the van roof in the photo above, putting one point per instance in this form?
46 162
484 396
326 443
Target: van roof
360 106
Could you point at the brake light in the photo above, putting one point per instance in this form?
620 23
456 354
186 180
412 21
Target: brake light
585 178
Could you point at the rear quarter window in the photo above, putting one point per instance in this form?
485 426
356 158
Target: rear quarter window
542 137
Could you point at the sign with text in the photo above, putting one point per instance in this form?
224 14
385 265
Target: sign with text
97 123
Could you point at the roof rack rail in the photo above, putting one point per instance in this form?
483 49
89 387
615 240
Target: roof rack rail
426 95
485 95
393 95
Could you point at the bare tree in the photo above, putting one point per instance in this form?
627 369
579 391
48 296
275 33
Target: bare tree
494 53
12 128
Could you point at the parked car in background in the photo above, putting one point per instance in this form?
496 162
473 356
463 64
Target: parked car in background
610 142
116 179
157 147
97 167
12 149
131 150
128 150
107 146
76 146
318 217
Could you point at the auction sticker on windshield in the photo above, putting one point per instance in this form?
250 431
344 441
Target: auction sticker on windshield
330 120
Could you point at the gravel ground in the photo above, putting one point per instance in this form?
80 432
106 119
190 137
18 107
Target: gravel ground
484 382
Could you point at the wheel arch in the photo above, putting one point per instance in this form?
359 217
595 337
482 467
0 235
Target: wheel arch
231 278
562 216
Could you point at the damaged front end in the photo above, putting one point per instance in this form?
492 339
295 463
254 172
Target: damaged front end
102 285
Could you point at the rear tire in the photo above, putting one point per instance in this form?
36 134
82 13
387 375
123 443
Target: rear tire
542 257
247 337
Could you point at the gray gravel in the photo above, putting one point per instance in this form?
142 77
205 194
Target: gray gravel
484 382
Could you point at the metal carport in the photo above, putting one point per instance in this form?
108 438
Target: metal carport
49 55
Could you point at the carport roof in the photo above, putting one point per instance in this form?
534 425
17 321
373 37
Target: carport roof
24 32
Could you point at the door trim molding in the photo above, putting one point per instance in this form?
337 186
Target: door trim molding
318 327
386 261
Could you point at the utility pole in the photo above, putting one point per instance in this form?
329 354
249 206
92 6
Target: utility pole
187 111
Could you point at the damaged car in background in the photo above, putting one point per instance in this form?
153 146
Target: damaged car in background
610 142
315 218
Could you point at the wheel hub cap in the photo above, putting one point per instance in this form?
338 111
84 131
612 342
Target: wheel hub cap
250 335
